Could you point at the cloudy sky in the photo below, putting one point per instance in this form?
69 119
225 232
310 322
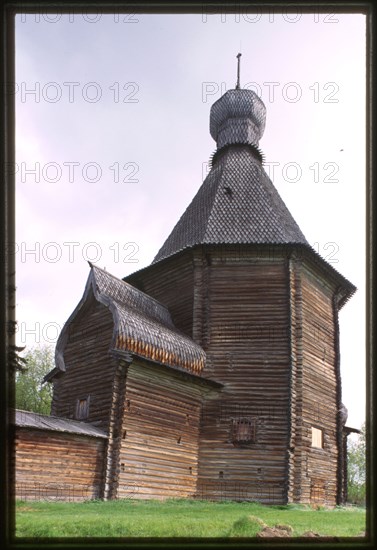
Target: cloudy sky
113 143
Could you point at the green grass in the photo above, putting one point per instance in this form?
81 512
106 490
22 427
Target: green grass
179 518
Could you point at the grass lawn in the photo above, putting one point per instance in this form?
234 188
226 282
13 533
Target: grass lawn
179 518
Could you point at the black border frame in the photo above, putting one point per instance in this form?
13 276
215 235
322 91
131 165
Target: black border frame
7 264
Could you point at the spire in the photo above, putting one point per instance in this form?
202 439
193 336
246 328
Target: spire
237 203
239 116
238 70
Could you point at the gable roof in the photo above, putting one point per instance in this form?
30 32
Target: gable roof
236 204
142 326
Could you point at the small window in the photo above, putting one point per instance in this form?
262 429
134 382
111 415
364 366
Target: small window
243 431
317 438
82 408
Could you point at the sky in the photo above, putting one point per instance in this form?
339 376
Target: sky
112 144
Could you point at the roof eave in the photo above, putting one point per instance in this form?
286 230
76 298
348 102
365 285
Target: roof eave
129 357
312 254
54 373
345 289
85 429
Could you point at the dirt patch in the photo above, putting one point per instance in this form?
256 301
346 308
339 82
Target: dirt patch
26 509
310 534
276 531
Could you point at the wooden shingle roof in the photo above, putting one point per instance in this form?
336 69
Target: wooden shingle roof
142 326
236 204
239 116
27 419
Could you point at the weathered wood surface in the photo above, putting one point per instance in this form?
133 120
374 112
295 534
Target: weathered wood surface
115 431
90 368
315 387
171 283
267 325
57 466
159 440
245 318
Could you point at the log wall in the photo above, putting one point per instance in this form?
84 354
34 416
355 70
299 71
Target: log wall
57 466
171 283
115 431
90 368
316 389
159 444
242 314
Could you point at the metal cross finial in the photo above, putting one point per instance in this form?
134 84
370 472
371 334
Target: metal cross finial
238 71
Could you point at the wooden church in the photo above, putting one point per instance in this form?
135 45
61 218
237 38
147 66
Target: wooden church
215 371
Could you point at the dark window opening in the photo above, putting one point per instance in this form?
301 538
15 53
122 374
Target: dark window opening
243 431
82 408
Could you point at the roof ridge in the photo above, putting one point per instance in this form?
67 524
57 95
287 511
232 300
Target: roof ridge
130 286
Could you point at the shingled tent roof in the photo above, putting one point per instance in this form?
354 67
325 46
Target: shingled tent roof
142 325
237 202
